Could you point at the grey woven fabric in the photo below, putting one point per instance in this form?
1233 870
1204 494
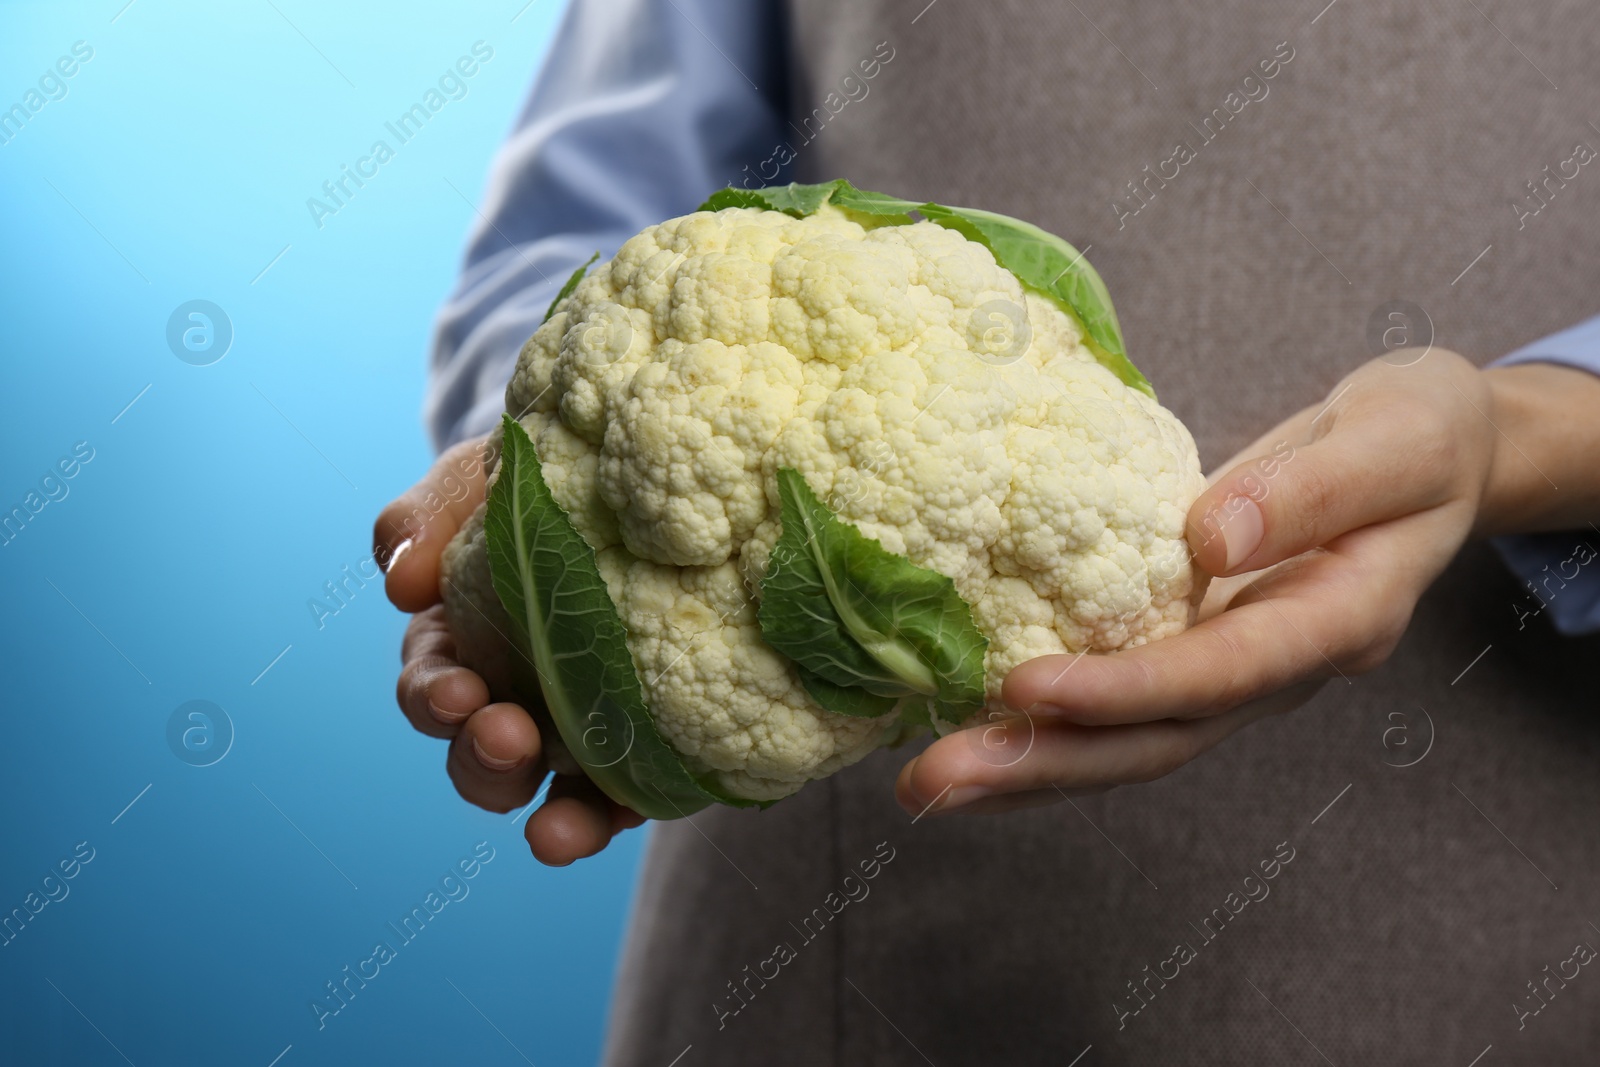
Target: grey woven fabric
1378 163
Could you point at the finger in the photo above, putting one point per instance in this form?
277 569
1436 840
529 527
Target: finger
1301 622
996 804
624 819
1003 802
436 693
1332 613
495 760
1042 761
1381 458
575 821
412 531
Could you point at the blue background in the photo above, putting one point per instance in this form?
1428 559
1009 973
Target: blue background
183 556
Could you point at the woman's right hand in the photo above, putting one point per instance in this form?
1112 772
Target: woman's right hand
495 759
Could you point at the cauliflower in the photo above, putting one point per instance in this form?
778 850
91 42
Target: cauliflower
794 475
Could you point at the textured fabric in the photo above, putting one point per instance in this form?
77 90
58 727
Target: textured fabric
1430 808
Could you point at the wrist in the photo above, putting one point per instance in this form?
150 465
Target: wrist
1542 474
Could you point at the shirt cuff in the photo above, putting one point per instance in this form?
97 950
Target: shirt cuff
1561 574
1559 570
1577 346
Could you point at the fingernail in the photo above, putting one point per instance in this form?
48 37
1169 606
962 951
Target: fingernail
960 796
394 557
1045 711
1241 525
489 761
449 718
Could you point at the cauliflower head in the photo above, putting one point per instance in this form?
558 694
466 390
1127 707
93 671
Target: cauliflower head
926 397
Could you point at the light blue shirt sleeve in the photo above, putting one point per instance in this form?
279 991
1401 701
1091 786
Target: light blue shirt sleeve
642 109
1560 570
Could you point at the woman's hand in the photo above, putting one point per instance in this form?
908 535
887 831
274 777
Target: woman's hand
1323 534
495 758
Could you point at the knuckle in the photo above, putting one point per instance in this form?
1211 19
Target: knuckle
1223 684
423 635
1373 635
1375 651
411 686
414 687
1306 517
1366 660
1165 754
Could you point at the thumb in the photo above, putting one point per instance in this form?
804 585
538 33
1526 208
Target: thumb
1372 464
411 532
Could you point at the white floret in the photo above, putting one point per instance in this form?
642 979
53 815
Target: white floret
927 397
737 707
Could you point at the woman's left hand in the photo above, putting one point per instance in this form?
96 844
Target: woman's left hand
1323 535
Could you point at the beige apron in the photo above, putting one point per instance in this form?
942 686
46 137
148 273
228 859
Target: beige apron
1415 822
